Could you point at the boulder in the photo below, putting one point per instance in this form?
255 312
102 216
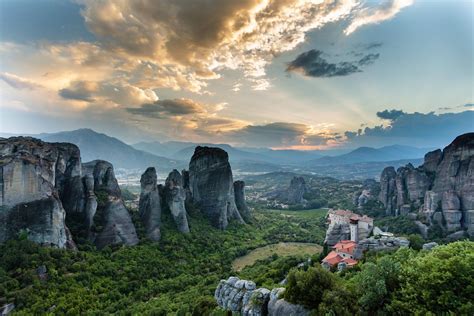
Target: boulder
112 224
175 196
430 245
212 186
239 192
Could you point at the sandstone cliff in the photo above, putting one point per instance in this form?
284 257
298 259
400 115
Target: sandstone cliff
442 189
29 201
296 190
175 196
239 191
150 204
111 222
45 189
212 186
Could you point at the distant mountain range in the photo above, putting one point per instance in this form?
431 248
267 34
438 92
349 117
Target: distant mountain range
369 154
95 145
168 155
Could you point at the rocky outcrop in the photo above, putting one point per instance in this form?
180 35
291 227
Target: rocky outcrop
369 188
149 206
45 189
277 306
175 196
30 200
296 191
112 224
212 187
239 191
442 189
388 189
242 296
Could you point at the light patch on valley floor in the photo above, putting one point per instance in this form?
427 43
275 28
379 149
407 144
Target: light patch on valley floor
281 249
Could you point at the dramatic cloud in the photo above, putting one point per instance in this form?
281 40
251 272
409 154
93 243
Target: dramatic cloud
311 64
17 82
199 38
80 90
416 129
282 135
164 108
371 15
390 114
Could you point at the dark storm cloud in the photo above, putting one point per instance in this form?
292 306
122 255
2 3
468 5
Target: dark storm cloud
368 59
80 90
279 134
417 129
390 114
312 64
167 107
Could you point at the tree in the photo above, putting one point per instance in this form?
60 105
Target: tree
307 287
438 282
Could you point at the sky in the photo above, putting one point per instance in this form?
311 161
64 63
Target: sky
299 74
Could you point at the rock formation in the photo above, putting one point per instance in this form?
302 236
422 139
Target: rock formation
239 191
296 190
111 222
277 306
212 186
175 196
150 204
442 189
45 189
242 296
29 201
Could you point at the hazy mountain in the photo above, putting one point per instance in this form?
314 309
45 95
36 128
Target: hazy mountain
369 154
178 150
95 145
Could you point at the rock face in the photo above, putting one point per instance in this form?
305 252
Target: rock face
296 190
442 189
279 307
242 296
175 196
111 222
239 191
150 204
30 201
45 189
212 186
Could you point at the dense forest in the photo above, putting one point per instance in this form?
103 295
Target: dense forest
179 274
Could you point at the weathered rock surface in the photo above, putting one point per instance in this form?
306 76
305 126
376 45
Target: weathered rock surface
29 200
212 186
429 245
175 196
242 296
239 191
296 191
150 204
279 307
112 222
442 188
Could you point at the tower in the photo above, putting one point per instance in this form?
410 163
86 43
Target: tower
354 226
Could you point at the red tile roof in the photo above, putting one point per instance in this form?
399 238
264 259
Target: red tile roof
333 258
346 246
